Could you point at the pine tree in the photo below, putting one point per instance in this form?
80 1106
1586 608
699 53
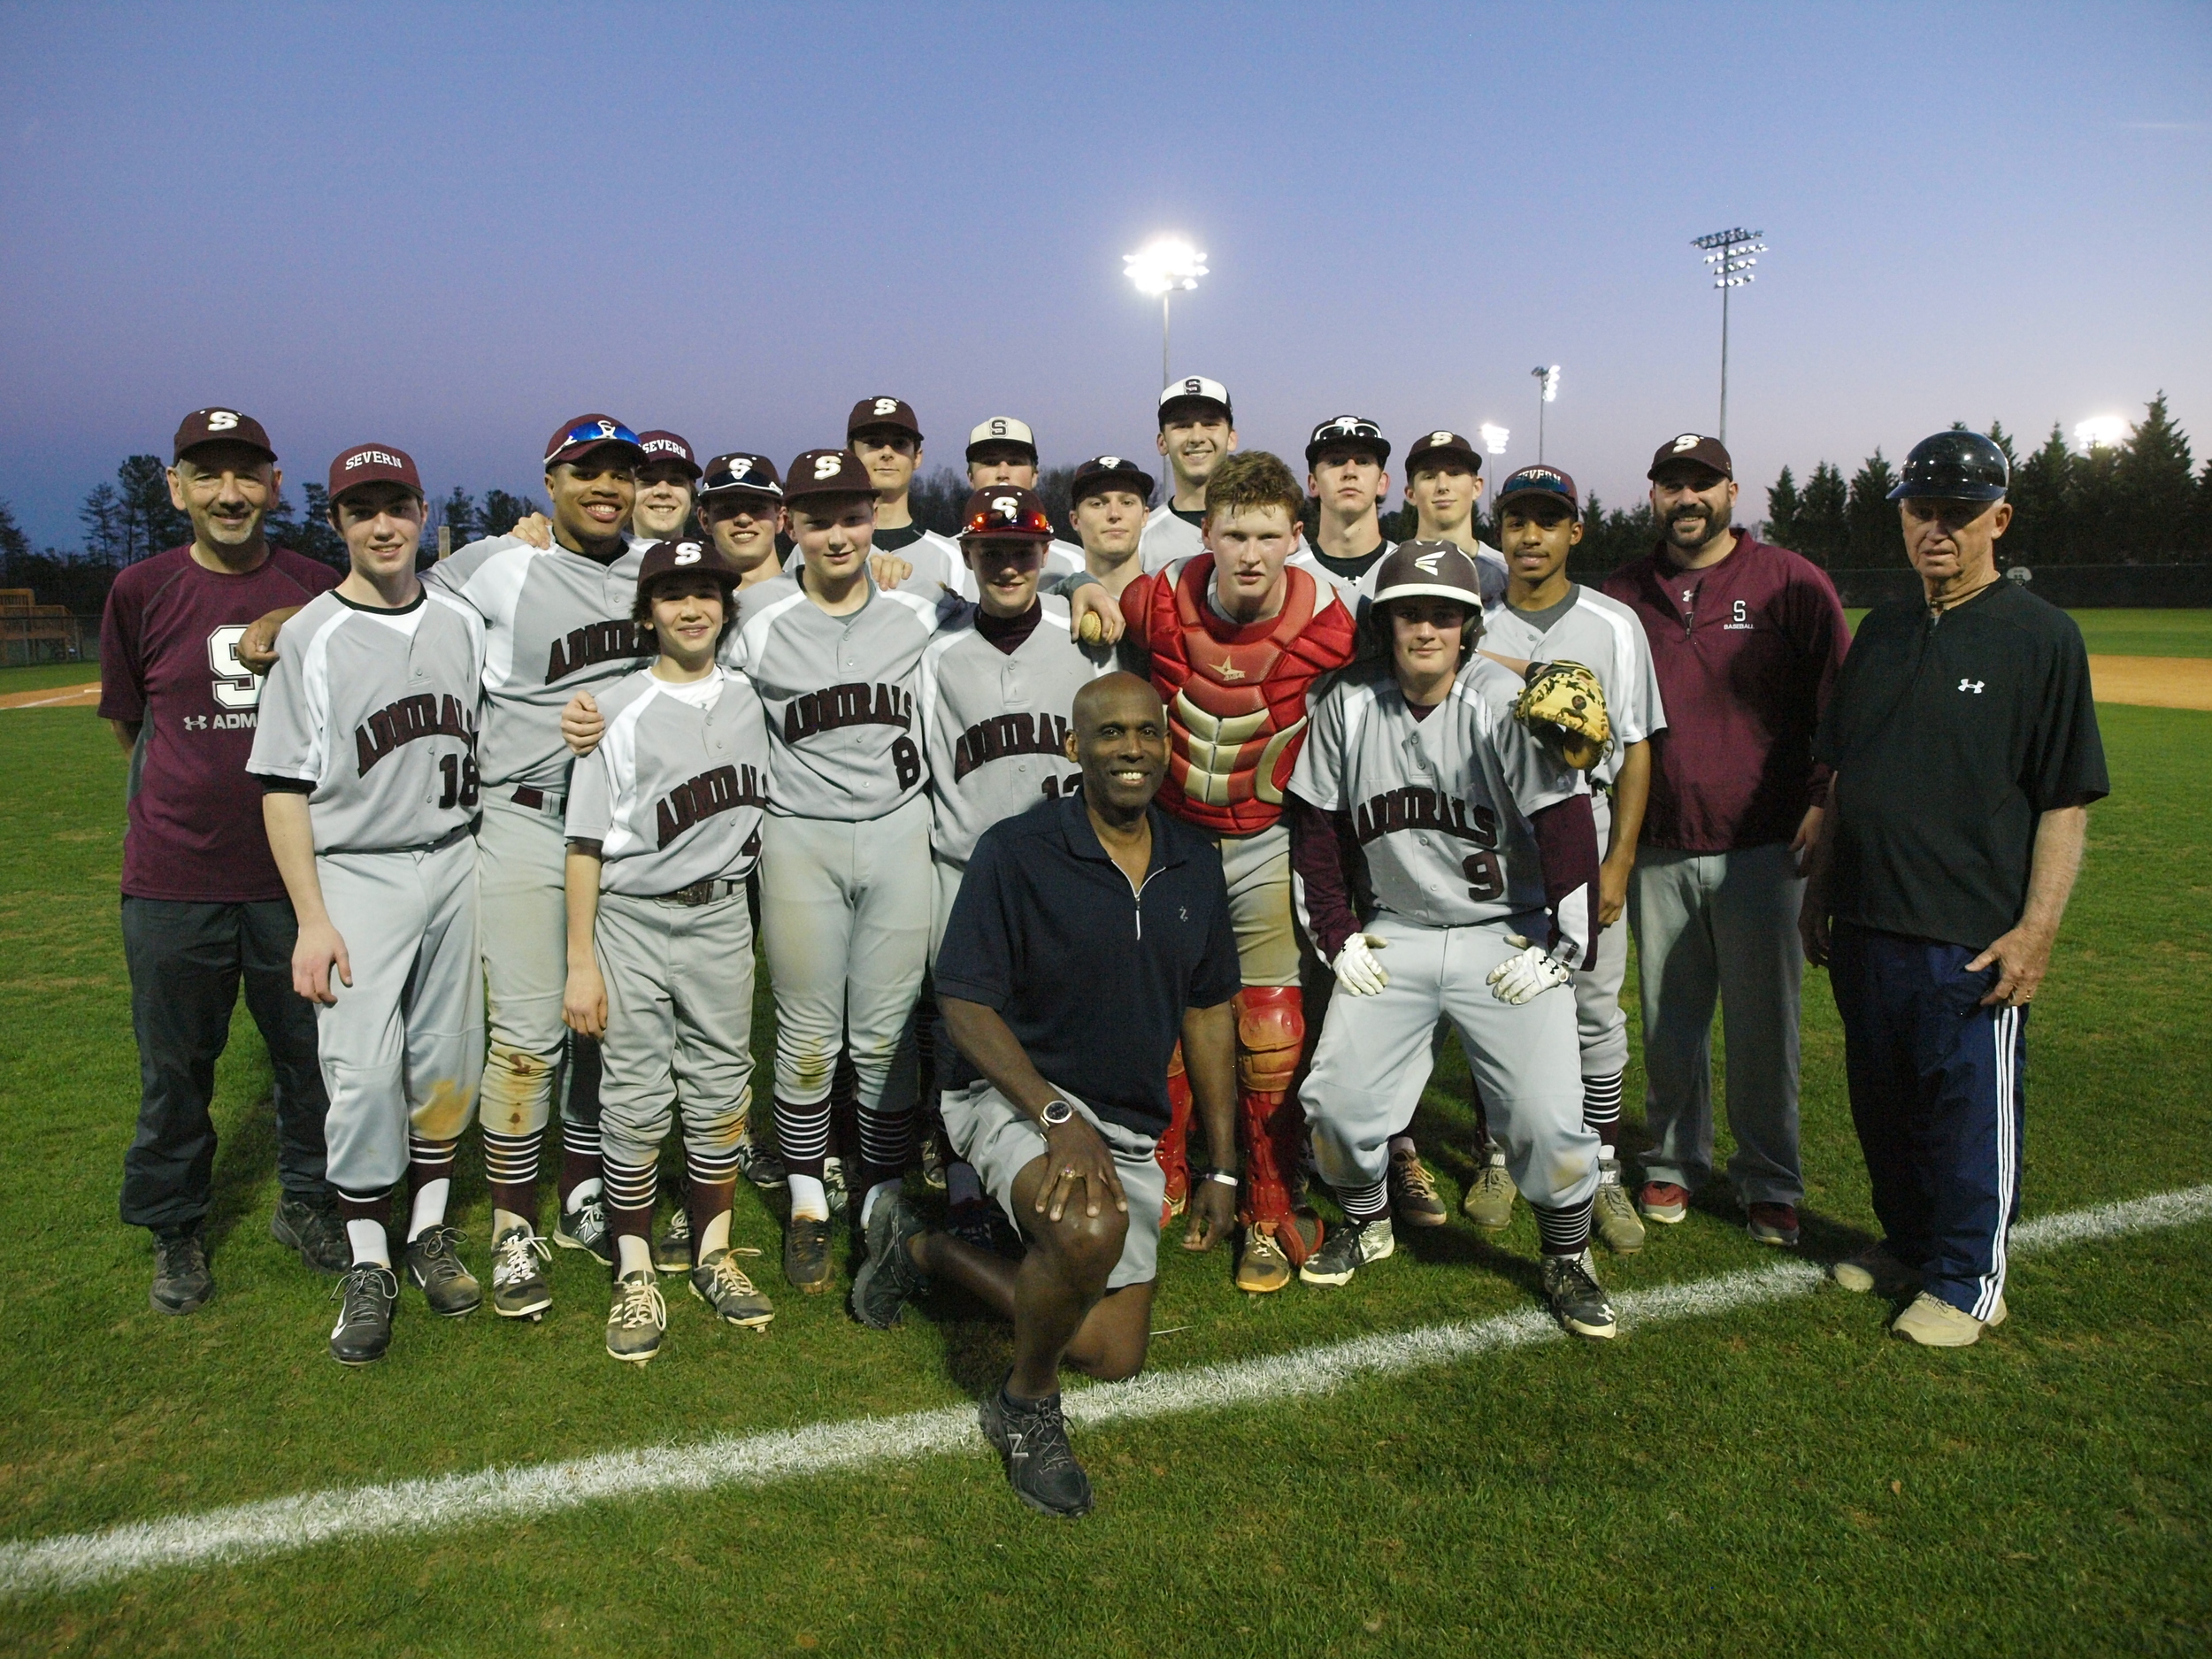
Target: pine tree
151 523
14 543
105 536
1823 526
501 512
316 537
1874 538
2154 487
457 513
1999 436
1781 527
2042 504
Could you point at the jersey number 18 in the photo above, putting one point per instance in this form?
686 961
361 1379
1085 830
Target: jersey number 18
460 780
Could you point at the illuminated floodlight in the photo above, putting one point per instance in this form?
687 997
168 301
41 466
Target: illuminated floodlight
1493 437
2102 432
1730 255
1160 268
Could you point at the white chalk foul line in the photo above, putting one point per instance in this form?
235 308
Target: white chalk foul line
249 1531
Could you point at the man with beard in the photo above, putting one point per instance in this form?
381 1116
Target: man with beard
1745 639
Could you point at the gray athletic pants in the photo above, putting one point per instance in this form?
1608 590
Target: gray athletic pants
680 1023
521 857
1720 925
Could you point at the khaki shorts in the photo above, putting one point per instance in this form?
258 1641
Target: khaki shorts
1002 1140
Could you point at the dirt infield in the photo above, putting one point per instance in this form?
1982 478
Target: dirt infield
54 697
2156 682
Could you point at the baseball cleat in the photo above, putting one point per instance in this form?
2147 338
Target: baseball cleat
434 1262
519 1287
1262 1267
833 1183
933 1162
181 1281
1773 1224
1577 1301
1488 1200
585 1228
1614 1212
1875 1269
806 1253
1933 1322
760 1167
1349 1247
672 1250
1032 1439
722 1286
1664 1202
888 1279
1413 1198
316 1233
638 1320
365 1298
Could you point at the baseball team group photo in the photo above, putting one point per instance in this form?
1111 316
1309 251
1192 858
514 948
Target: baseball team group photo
935 995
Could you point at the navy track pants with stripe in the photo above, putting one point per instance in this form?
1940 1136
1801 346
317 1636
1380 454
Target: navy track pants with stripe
1938 1095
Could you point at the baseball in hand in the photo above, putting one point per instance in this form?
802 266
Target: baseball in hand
1091 630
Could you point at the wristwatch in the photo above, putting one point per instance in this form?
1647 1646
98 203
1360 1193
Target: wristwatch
1055 1113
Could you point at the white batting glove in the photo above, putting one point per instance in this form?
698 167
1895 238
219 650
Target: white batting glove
1528 974
1356 969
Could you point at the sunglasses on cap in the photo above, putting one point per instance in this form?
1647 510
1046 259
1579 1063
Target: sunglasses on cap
1338 429
595 432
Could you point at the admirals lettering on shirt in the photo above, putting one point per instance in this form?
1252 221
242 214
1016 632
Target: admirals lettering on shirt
723 789
1007 734
423 715
614 640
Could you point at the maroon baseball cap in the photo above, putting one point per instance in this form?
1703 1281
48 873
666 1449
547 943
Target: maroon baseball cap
1705 452
893 412
999 510
739 473
1439 446
573 440
667 446
827 472
1109 471
374 463
1541 480
218 424
662 557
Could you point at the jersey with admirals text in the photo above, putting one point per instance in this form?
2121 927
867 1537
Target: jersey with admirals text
1606 637
556 623
1440 806
377 710
674 793
996 722
839 696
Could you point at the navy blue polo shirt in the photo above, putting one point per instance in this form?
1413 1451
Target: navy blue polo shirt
1092 974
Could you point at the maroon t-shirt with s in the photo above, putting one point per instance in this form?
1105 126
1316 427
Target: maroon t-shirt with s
1746 652
169 659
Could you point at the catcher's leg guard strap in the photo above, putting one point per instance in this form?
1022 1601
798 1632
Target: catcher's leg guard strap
1270 1033
1170 1149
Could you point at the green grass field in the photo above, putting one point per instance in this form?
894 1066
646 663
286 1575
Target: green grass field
1777 1478
2135 632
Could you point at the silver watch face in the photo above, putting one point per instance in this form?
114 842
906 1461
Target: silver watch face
1057 1113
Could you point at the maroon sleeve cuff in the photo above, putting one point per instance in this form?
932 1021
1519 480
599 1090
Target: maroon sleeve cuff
1567 846
1318 844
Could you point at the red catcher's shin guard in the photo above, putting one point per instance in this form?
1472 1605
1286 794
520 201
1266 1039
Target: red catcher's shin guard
1169 1150
1271 1036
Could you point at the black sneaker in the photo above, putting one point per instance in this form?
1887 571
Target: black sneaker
363 1331
1032 1439
833 1183
933 1162
434 1262
672 1251
314 1231
519 1287
724 1286
760 1167
181 1281
1577 1301
806 1253
1349 1247
585 1228
888 1277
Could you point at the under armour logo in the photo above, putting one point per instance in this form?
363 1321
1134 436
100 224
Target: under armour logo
1974 685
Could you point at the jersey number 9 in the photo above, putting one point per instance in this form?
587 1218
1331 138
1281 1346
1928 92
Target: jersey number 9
1485 881
460 780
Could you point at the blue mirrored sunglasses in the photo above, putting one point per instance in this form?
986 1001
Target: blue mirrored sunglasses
598 431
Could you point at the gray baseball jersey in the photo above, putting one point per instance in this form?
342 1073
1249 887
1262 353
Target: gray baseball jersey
1439 805
1168 536
377 710
995 722
938 567
674 793
839 696
1351 591
555 624
1604 636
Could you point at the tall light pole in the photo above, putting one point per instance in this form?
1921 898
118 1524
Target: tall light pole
1160 267
1547 391
1728 253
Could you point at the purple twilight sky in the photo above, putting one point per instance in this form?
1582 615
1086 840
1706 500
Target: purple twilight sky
447 227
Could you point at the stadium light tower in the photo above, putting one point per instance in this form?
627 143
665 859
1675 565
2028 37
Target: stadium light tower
1730 253
1548 385
1493 437
1160 267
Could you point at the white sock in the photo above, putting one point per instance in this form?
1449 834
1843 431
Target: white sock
1605 1155
881 1190
808 1197
632 1254
368 1242
1402 1143
589 1188
505 1219
429 1211
717 1237
963 1185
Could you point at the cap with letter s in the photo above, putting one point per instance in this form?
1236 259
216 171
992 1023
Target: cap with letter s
1541 480
373 463
667 558
1003 429
588 435
1357 431
892 414
667 446
1004 510
1103 473
827 472
1197 390
1438 570
1696 449
218 424
1438 447
740 472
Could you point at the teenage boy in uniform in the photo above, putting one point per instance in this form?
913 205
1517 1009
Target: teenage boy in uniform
1197 432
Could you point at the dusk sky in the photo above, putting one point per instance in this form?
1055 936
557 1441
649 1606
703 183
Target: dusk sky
449 228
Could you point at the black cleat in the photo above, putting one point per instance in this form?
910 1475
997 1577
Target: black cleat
434 1262
1349 1247
888 1278
724 1286
761 1166
1032 1439
363 1331
519 1287
181 1281
1577 1301
833 1184
314 1231
585 1228
672 1251
806 1253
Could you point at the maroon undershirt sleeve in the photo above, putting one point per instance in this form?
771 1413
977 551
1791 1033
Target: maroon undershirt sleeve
1567 847
1320 843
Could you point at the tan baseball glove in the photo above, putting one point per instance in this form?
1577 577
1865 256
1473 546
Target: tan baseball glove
1563 708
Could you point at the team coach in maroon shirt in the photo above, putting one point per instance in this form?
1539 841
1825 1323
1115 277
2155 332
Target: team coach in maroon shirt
203 904
1745 639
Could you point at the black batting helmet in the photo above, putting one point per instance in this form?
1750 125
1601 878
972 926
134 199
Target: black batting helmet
1954 467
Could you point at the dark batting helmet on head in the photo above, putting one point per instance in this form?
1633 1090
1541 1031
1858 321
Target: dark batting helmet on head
1954 467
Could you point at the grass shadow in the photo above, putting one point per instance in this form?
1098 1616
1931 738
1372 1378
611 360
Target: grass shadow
245 1164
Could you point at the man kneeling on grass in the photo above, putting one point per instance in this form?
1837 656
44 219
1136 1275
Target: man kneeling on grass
1090 932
